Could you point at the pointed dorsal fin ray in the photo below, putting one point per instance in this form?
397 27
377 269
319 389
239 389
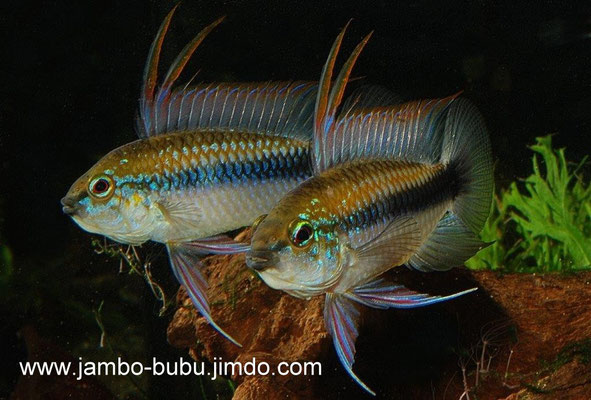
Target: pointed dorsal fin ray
370 96
411 131
152 101
182 59
151 70
274 108
330 96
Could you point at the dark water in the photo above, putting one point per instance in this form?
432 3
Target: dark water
72 72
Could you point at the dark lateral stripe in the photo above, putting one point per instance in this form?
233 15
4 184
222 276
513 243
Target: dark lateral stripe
443 186
265 168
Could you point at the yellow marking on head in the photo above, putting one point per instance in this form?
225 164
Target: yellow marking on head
136 198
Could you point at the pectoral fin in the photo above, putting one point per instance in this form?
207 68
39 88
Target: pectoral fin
182 215
393 246
184 265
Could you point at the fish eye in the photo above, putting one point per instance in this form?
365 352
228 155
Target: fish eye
101 186
301 233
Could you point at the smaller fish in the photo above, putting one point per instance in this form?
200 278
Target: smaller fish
409 184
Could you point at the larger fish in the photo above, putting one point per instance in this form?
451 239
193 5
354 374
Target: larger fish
409 184
211 159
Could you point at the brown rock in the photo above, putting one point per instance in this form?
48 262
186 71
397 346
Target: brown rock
400 353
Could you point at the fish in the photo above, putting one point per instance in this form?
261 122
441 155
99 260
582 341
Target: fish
210 158
410 184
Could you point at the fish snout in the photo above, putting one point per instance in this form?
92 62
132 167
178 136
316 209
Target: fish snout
261 259
69 205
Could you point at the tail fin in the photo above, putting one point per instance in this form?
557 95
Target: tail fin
466 147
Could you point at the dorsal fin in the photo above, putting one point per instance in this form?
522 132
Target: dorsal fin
330 96
153 101
179 64
411 131
274 108
369 96
151 69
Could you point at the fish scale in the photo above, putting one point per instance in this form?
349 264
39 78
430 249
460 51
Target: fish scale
234 176
189 150
381 185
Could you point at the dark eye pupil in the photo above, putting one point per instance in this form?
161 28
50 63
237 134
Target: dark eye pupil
101 186
303 234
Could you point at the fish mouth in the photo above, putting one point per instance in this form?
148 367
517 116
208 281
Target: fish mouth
261 259
68 206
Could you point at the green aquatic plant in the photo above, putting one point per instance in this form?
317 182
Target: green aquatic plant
543 223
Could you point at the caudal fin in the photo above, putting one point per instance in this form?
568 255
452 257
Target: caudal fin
466 148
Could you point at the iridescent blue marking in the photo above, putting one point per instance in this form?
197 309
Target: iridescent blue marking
229 169
127 191
210 173
314 250
165 184
210 170
238 169
176 181
220 173
184 177
202 174
192 177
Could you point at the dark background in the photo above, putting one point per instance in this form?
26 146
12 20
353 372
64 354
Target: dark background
70 85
